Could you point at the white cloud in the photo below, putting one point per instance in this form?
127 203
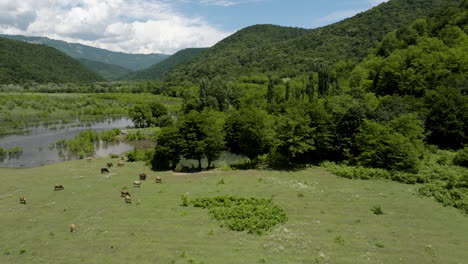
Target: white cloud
135 26
337 16
227 3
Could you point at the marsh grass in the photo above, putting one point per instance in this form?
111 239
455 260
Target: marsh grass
413 229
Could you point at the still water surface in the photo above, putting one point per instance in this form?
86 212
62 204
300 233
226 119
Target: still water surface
35 144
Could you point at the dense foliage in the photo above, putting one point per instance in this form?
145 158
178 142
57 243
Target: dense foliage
288 52
254 215
23 62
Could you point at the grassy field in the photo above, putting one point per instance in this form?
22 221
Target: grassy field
330 218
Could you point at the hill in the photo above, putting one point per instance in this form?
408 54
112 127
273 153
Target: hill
108 71
132 62
329 218
157 71
22 62
287 52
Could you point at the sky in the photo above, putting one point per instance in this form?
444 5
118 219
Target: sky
163 26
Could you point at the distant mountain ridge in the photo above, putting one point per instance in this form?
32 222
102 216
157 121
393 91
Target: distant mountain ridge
132 62
110 72
22 62
157 71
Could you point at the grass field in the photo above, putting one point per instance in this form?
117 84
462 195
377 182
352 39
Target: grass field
330 218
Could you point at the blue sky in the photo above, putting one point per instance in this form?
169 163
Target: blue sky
295 13
163 26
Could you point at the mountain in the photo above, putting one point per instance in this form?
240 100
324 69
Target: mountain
22 62
286 52
109 71
157 71
132 62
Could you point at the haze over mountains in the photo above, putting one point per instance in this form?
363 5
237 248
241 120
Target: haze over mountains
258 49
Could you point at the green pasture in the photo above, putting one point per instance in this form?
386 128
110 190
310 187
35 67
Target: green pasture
329 218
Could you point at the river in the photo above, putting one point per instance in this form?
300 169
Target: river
35 143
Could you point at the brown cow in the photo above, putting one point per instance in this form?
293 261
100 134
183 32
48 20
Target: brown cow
136 183
158 179
120 163
128 199
124 193
22 200
58 187
109 164
72 228
89 159
142 176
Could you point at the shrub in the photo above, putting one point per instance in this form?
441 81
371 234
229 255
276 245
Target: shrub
185 200
377 210
461 159
144 154
254 215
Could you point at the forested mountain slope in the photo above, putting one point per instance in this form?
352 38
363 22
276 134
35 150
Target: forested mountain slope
132 62
287 52
109 71
22 62
157 71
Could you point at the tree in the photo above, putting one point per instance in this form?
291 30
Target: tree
168 149
248 133
394 146
447 120
202 135
141 115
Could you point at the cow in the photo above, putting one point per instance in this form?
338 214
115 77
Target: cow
128 199
124 193
104 170
120 163
72 228
158 179
58 187
109 164
22 200
136 183
89 159
143 176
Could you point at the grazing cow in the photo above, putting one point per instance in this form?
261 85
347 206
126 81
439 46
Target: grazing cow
124 193
109 164
120 163
104 170
128 199
158 179
89 159
72 228
22 200
136 183
143 176
58 187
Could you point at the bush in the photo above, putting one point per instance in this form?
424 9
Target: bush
255 215
377 210
461 159
145 154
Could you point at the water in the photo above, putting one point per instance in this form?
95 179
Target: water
35 144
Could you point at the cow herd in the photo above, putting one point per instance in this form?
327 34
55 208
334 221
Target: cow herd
123 193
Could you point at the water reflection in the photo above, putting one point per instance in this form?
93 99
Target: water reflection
36 143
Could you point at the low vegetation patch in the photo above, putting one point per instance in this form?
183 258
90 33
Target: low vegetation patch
254 215
441 174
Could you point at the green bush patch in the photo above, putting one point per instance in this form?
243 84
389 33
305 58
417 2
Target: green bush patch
255 215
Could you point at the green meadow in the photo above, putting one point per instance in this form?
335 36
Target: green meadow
330 219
